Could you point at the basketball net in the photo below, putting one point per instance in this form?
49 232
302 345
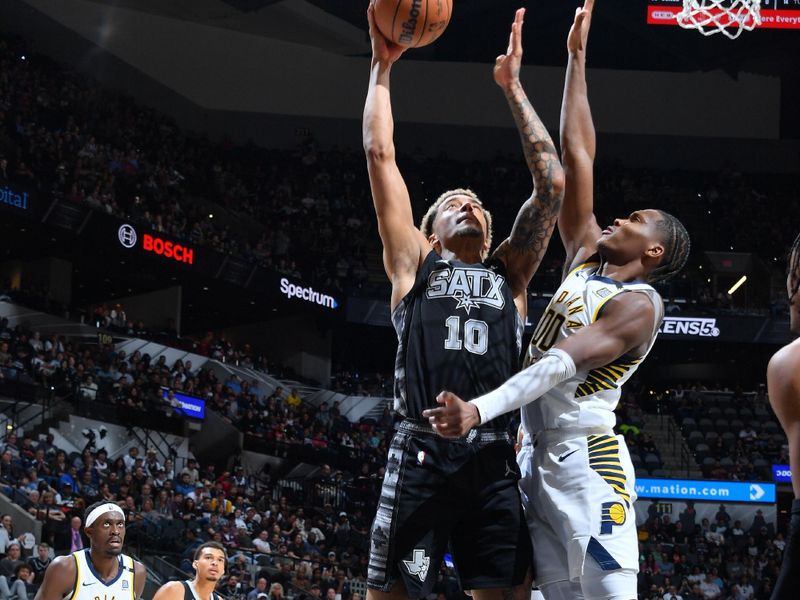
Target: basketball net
729 17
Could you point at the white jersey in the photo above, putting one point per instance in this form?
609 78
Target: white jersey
89 586
588 400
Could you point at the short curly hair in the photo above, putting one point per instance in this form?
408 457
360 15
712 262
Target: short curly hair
426 226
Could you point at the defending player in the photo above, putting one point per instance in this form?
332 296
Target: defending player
459 320
783 383
101 571
600 325
209 563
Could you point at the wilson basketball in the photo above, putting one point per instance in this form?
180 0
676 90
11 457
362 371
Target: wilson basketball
413 23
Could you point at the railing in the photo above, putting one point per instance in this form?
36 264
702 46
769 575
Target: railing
346 458
29 408
679 448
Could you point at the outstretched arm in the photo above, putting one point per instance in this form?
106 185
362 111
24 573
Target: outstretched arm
524 249
625 325
576 221
404 246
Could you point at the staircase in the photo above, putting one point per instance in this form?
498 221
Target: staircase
676 457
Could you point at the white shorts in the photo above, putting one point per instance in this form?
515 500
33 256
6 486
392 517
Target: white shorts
578 494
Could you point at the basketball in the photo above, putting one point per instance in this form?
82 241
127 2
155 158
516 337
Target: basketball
413 23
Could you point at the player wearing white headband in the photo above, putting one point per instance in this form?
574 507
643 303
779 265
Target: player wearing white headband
102 571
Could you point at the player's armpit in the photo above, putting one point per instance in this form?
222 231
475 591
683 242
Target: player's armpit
625 326
59 579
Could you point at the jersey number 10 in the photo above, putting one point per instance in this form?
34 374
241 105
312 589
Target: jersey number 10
476 335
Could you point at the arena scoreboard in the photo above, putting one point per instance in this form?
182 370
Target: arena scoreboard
775 14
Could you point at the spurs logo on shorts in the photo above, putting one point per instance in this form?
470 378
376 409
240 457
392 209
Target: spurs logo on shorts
418 566
613 514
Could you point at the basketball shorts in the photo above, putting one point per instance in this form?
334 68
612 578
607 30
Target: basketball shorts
457 495
578 492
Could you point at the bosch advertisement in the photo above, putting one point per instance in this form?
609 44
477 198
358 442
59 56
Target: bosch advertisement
152 243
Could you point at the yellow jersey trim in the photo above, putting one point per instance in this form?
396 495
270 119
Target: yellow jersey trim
581 266
77 577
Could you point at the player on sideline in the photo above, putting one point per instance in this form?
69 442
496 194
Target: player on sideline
101 571
783 384
600 325
209 563
459 320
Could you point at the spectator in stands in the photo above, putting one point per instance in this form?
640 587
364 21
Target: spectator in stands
71 538
6 531
293 400
276 591
13 589
40 562
12 560
259 590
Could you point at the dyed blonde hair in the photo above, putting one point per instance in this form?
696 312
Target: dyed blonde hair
426 226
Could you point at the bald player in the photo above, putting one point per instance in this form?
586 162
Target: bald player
101 571
783 382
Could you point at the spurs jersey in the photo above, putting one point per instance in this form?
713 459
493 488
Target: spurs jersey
587 400
89 586
458 330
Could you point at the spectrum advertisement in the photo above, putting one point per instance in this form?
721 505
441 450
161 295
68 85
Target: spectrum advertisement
712 491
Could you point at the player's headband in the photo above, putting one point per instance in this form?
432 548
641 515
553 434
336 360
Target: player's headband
102 509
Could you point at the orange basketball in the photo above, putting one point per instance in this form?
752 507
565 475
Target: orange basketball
413 23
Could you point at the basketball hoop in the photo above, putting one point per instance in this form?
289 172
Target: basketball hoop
729 17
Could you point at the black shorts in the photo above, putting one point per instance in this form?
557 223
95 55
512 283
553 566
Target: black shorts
460 494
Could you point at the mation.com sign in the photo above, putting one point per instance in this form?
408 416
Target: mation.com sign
714 491
129 238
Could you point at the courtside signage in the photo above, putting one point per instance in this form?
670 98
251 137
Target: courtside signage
713 491
187 405
129 238
14 199
307 294
694 326
781 474
665 12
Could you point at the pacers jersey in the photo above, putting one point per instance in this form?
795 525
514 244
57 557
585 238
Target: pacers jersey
588 399
89 586
458 329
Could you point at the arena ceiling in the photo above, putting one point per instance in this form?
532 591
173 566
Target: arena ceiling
621 38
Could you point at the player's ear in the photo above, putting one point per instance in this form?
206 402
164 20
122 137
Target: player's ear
433 240
656 250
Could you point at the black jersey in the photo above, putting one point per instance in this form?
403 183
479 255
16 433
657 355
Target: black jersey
459 330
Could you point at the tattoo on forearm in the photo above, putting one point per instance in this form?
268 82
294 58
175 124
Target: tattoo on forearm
537 217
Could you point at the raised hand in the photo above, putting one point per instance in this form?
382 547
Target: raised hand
383 50
506 66
454 418
579 32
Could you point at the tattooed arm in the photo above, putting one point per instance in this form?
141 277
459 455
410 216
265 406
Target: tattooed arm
524 249
576 222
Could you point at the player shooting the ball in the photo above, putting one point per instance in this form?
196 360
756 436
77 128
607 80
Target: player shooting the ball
578 479
459 319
